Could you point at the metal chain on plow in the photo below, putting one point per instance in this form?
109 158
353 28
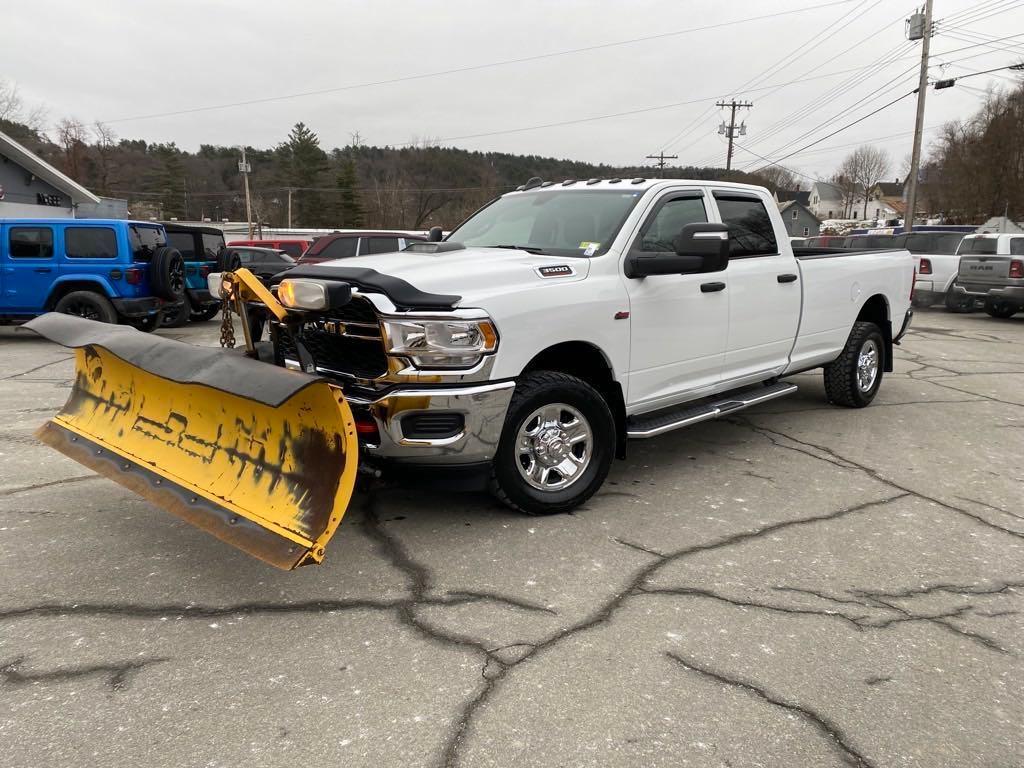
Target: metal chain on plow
227 328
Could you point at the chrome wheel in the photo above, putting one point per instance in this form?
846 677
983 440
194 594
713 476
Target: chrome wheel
867 365
553 447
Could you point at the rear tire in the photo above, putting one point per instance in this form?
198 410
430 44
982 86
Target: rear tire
87 304
147 324
852 379
556 446
204 313
1000 309
957 304
177 317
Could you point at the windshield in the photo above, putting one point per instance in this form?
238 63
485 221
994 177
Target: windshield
570 222
978 245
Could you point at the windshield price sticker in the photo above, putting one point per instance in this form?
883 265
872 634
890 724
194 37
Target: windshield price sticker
589 248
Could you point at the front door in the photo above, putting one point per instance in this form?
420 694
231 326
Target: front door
28 268
678 323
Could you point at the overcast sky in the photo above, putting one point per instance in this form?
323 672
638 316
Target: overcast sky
120 60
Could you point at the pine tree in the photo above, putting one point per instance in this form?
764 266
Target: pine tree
351 214
306 164
169 180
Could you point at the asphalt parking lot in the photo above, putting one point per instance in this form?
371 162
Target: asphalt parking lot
799 585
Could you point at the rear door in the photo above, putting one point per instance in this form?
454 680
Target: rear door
764 287
29 267
90 251
677 330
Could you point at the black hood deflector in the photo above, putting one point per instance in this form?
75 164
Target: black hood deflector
404 295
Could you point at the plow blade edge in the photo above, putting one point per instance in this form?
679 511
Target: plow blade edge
263 458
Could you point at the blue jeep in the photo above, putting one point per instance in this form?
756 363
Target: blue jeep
200 247
107 270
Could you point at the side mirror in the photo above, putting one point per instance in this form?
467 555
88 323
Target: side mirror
436 235
698 248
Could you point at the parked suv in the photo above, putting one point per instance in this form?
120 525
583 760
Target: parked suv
107 270
345 244
200 247
992 273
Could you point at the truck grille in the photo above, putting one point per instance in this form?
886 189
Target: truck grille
347 342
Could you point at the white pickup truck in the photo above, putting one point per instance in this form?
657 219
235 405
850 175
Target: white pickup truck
991 273
563 319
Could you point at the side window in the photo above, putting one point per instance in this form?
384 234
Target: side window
90 243
750 227
341 248
185 243
245 256
144 241
212 245
380 244
31 243
292 249
1017 246
660 230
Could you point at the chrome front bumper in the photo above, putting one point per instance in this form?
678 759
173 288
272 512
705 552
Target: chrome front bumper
482 407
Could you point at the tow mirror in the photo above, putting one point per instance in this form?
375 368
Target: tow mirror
698 248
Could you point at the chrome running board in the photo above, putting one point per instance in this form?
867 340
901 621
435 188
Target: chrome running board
658 422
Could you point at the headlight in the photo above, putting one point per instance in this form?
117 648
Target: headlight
441 343
314 294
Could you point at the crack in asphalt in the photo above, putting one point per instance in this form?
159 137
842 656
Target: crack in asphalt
37 368
823 724
48 484
832 457
117 674
634 587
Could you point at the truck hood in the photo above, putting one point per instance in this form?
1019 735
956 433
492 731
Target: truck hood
472 273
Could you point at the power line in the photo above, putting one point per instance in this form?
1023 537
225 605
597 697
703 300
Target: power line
476 67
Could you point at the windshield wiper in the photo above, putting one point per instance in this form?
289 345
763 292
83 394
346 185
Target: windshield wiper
527 248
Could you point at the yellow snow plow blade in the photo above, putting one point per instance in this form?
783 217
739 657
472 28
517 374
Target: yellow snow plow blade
263 458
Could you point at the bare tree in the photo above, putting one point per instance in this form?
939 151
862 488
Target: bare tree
72 136
106 143
776 177
13 108
873 164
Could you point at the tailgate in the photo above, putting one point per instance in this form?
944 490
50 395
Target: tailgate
984 270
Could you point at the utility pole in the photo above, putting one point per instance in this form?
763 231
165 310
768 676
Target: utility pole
922 89
661 157
732 130
290 190
244 168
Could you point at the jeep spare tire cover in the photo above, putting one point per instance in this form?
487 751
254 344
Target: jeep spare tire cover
167 274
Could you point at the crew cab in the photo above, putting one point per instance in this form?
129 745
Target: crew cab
562 320
991 273
106 270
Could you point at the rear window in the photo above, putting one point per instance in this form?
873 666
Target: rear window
31 243
212 246
929 242
1017 246
185 243
750 228
339 248
979 245
144 241
292 249
90 243
380 244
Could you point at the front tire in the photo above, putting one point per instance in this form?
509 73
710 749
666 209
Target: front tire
177 317
556 446
852 379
